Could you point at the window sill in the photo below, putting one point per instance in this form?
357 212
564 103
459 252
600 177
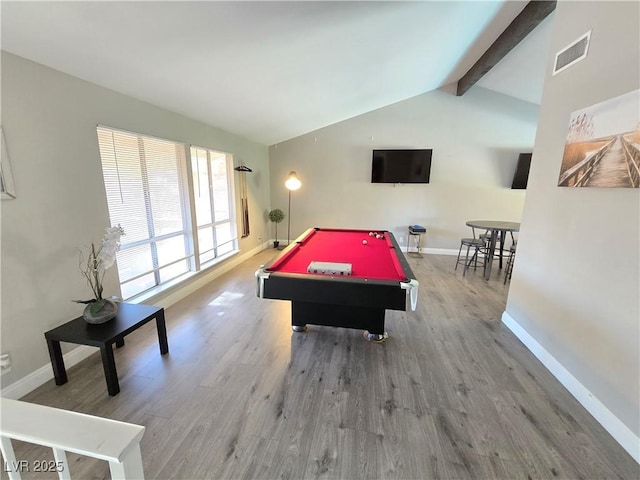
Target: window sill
179 282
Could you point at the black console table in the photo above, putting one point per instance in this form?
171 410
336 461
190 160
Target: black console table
130 317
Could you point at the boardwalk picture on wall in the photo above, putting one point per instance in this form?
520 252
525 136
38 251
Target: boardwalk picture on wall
603 145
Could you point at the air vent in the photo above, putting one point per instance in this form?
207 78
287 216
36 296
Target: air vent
572 53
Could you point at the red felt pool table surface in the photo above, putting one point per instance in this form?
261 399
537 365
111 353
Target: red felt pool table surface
377 259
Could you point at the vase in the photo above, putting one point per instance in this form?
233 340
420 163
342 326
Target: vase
106 313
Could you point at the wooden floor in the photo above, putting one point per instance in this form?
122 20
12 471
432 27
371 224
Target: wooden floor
452 394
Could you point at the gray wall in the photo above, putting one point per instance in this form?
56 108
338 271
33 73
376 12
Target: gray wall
475 140
575 285
49 120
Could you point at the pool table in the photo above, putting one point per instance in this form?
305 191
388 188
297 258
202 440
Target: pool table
364 276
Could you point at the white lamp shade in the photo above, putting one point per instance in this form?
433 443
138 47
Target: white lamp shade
292 182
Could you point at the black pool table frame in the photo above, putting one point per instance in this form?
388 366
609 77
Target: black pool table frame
336 300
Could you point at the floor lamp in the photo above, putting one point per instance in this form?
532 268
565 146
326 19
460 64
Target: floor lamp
292 183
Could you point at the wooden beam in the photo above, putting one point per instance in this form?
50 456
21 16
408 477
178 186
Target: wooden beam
528 19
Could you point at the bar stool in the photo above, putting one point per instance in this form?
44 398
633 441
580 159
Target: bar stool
509 267
478 247
496 254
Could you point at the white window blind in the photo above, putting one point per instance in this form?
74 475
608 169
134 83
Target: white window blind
148 195
145 189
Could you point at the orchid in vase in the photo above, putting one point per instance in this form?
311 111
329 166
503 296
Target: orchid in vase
93 267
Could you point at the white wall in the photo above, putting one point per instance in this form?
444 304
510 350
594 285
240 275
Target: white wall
475 139
575 287
49 120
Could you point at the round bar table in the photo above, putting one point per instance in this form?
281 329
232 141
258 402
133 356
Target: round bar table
494 226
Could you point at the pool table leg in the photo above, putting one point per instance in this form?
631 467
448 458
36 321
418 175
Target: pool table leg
375 337
375 332
360 318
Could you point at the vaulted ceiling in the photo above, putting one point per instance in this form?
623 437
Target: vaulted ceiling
270 71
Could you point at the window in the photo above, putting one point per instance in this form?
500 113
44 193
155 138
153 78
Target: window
211 188
149 196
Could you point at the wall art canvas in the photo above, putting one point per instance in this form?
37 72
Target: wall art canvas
603 145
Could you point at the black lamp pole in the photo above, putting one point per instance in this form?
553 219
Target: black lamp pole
289 222
292 183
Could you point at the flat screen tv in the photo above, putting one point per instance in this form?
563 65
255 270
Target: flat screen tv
401 166
521 177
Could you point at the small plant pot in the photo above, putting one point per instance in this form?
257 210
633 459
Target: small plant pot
276 243
107 312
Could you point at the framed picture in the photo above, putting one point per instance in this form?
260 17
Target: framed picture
6 178
603 145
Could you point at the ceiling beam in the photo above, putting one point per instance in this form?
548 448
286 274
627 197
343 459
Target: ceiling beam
528 19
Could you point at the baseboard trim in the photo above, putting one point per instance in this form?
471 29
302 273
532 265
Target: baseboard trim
431 251
20 388
439 251
612 424
30 382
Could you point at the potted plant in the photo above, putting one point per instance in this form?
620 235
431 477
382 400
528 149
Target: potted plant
92 267
276 216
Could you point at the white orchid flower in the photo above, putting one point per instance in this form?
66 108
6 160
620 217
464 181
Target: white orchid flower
99 260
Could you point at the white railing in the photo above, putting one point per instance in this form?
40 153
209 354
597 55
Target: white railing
63 431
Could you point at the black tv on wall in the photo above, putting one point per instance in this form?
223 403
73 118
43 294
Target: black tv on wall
401 166
521 176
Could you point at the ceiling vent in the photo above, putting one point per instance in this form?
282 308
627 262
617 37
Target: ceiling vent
572 53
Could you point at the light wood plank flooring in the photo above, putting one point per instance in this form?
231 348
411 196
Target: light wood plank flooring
452 394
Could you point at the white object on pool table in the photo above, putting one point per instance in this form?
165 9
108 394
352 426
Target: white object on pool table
331 268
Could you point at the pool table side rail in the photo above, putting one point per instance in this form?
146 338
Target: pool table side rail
403 260
332 290
289 249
